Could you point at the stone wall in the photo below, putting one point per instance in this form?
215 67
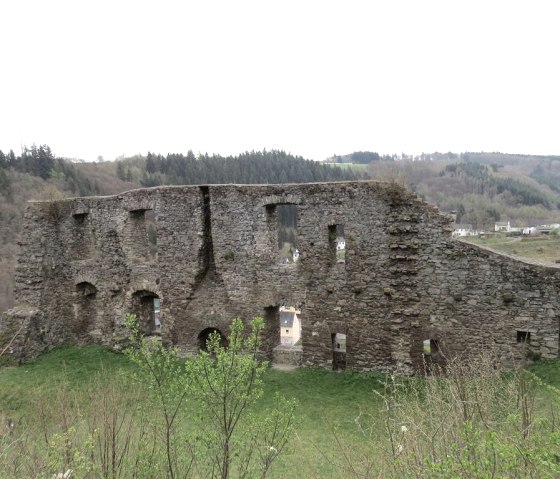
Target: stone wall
86 262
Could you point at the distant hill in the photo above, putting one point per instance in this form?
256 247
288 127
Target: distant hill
482 187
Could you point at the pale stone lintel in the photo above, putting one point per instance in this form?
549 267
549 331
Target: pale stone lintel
280 199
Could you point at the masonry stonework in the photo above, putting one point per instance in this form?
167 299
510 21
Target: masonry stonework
86 262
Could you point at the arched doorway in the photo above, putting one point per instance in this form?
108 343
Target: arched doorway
205 335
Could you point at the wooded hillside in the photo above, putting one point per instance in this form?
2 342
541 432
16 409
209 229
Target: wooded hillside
482 188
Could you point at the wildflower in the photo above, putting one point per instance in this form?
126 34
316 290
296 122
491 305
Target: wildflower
400 449
63 475
272 449
404 428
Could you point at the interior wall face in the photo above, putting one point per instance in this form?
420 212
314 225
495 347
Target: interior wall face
400 281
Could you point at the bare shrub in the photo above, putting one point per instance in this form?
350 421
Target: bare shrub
471 420
116 427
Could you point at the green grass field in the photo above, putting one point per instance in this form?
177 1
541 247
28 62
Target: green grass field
545 249
327 401
327 435
362 168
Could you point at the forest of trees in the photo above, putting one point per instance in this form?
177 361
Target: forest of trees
482 188
361 157
253 167
485 183
546 175
40 161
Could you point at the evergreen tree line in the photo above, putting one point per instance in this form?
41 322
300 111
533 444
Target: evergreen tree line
362 157
247 168
41 162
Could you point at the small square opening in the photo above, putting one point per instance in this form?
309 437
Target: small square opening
430 346
523 337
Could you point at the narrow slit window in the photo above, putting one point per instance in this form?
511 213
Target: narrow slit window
337 242
339 351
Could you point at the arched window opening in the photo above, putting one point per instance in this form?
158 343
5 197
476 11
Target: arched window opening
86 289
432 355
204 336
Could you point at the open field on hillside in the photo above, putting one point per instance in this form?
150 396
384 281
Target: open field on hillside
544 248
342 422
359 167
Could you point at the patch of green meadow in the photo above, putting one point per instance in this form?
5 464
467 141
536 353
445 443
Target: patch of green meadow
331 406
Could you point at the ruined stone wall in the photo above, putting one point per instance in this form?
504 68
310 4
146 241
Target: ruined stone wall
87 262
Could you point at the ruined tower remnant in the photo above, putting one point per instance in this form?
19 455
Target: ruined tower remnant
367 262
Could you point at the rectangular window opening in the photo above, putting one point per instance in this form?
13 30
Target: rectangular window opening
524 337
339 351
290 322
339 342
430 346
141 234
80 218
286 216
337 243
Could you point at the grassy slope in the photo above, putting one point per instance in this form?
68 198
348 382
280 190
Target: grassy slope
546 249
359 167
327 401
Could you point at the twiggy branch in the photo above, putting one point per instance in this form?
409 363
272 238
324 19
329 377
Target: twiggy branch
12 339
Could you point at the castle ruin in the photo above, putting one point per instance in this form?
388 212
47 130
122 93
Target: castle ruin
378 280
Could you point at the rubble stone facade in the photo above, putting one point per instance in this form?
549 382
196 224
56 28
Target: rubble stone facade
402 280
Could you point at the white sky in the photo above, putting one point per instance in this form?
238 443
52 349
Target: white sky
313 78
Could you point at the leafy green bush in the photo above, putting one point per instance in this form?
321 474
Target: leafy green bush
216 390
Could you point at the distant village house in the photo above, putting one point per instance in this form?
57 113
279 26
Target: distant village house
290 326
461 230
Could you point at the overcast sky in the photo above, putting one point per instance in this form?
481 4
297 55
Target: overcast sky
313 78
